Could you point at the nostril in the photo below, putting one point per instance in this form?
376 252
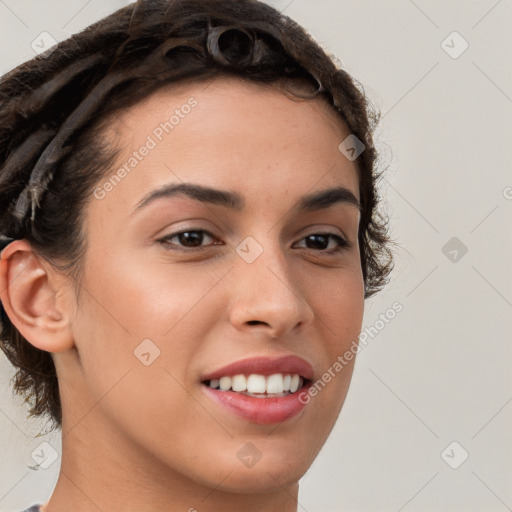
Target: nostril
254 322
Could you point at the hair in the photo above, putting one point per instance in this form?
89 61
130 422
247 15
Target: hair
51 108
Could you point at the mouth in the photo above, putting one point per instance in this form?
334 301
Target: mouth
276 385
261 390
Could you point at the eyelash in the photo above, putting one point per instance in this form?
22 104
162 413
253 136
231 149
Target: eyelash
342 243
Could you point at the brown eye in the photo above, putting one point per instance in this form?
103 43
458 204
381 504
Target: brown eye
321 242
191 238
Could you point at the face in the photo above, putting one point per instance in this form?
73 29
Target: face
234 280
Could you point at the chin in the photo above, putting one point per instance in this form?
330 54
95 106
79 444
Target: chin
220 468
263 479
271 472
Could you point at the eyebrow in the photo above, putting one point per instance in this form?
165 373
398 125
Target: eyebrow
234 201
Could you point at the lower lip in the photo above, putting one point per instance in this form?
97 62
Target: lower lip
259 410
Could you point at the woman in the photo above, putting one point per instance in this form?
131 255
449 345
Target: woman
189 229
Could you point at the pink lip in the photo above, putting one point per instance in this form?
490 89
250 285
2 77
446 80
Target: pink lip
261 410
264 366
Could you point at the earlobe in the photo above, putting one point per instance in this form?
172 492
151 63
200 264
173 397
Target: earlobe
30 295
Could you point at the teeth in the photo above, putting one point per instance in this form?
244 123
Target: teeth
295 382
275 383
254 384
239 383
225 383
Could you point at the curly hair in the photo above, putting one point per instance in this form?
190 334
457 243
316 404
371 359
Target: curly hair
51 108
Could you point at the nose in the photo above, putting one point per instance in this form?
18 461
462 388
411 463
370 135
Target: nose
268 295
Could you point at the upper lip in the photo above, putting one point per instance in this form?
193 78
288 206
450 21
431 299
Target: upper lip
264 365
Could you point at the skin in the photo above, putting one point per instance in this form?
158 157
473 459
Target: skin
150 432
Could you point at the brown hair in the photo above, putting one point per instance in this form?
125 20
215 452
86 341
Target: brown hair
50 105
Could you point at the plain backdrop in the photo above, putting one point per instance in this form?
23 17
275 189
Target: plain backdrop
426 425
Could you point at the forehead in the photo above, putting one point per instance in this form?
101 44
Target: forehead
240 133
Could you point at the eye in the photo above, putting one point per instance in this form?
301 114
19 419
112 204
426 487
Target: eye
322 241
190 238
328 243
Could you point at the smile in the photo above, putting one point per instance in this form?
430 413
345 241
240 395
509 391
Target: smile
260 390
259 386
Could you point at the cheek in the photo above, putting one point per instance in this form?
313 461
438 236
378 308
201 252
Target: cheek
137 334
126 312
144 300
340 309
131 314
339 305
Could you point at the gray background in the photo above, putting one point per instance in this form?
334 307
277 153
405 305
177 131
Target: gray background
439 372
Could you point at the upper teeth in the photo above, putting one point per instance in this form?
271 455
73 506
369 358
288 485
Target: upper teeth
254 383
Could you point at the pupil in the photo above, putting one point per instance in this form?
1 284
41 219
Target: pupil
195 237
319 241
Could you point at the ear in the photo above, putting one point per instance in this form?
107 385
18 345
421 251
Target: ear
34 297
